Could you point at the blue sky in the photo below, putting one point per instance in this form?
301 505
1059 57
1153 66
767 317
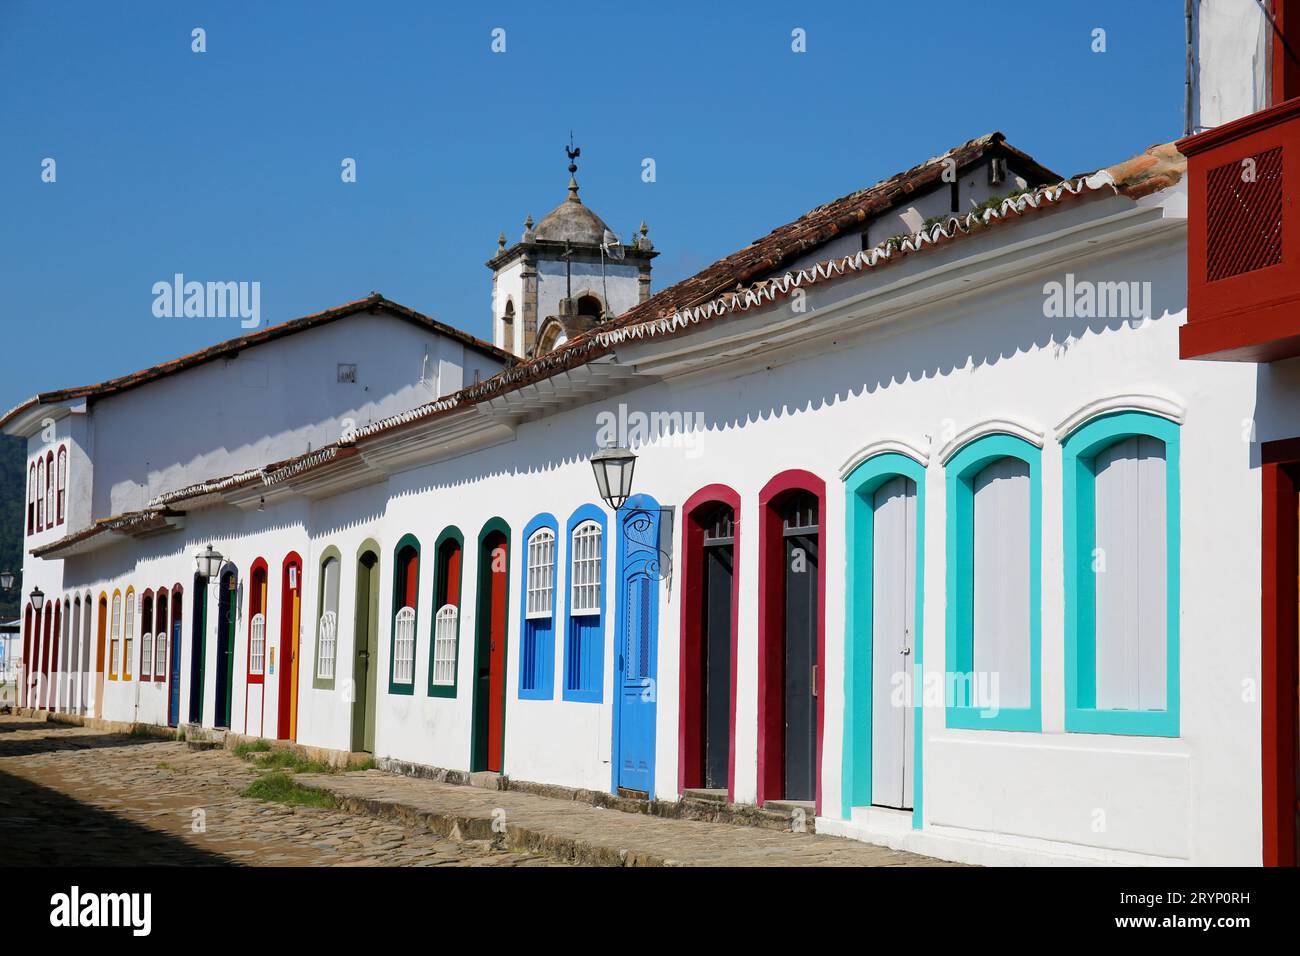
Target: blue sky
225 165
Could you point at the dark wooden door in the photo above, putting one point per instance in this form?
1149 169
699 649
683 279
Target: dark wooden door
490 655
226 615
198 648
719 569
800 661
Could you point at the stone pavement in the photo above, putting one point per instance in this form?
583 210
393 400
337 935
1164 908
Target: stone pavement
70 796
582 834
74 796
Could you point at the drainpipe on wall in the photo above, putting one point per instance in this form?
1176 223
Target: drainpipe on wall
1191 59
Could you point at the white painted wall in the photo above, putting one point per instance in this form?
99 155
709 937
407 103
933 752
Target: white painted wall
1232 74
620 281
271 402
1193 798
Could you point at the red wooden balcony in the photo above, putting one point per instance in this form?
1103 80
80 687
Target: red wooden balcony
1243 238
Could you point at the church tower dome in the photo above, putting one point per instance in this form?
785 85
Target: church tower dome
566 274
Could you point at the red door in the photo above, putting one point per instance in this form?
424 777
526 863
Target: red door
290 619
497 661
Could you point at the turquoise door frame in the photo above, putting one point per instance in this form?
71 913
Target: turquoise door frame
860 487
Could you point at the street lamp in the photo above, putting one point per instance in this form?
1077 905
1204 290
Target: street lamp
38 599
208 563
613 467
7 580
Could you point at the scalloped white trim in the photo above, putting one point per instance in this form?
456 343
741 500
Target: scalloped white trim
881 447
992 426
1163 406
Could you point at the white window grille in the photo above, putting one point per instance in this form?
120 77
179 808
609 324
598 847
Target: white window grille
586 571
404 647
160 655
257 644
115 643
444 645
328 642
146 656
541 573
128 633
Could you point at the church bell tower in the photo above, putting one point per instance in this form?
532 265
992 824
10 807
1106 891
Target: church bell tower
566 274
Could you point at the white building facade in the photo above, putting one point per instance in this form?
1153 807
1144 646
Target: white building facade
937 538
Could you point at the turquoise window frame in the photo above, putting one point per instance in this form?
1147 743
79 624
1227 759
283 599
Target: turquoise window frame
961 470
596 648
860 486
540 631
1080 450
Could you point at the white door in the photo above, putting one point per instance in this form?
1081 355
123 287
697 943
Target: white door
893 613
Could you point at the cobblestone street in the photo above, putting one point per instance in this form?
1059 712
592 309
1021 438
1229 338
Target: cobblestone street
71 796
74 796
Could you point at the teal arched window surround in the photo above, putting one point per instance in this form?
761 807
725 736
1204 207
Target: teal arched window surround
860 488
584 642
1080 450
537 629
965 707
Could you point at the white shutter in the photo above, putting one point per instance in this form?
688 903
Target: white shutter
586 571
1000 616
257 644
444 645
404 647
893 612
1131 575
541 574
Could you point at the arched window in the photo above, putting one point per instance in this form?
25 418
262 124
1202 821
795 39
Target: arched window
146 635
63 483
508 327
327 633
584 638
444 651
257 578
40 493
31 498
406 591
115 638
589 305
160 635
128 633
537 647
1121 512
994 584
49 489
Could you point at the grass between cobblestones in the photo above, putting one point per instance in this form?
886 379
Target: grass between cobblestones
288 760
280 787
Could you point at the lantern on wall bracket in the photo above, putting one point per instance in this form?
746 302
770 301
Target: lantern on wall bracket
613 467
7 580
208 563
38 599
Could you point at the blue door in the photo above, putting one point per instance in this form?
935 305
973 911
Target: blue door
639 571
174 679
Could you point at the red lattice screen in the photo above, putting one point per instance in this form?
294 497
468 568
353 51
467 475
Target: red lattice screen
1244 215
